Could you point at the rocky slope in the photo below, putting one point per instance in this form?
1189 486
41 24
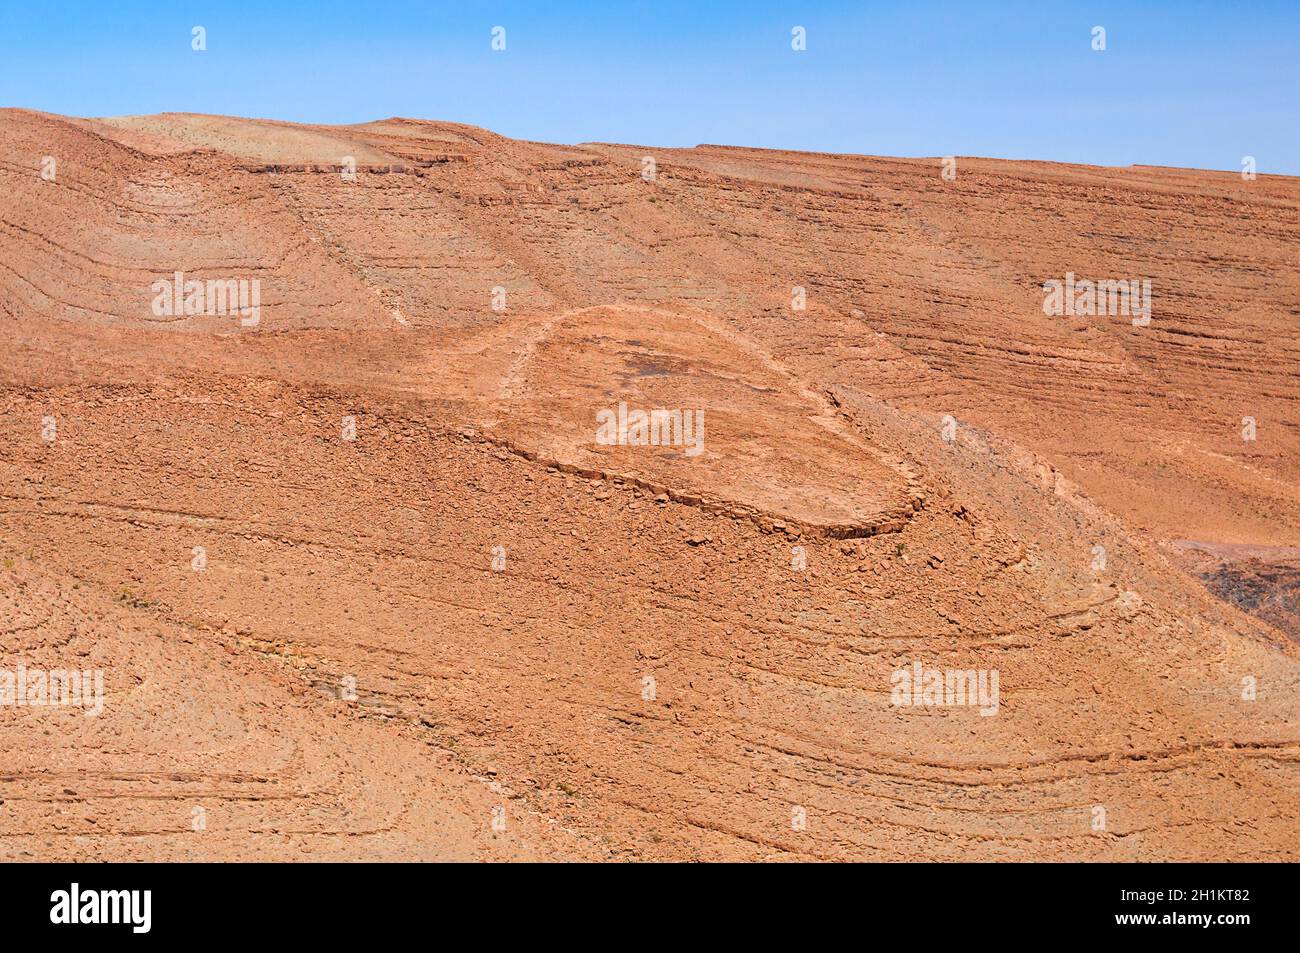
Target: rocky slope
364 583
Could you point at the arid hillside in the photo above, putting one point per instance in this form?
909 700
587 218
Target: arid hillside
323 445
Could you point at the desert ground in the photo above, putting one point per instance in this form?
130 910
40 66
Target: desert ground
364 584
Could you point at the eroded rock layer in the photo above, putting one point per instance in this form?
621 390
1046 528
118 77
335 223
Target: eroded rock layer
365 579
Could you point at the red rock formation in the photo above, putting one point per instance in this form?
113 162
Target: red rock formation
363 583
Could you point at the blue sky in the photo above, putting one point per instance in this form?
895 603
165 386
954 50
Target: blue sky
1183 83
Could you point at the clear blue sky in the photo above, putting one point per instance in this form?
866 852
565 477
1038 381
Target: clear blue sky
1182 82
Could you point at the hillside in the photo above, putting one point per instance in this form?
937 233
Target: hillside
364 583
